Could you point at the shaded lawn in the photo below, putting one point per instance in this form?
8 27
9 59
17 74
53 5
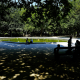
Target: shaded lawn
19 65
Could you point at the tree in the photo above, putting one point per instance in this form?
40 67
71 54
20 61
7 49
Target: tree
71 21
55 10
5 11
13 21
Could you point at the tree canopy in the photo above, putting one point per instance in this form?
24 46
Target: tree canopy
48 16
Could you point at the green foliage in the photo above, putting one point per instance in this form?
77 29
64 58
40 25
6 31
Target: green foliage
46 16
71 21
41 14
29 27
12 21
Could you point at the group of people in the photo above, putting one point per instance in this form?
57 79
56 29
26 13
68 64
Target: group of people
31 41
77 44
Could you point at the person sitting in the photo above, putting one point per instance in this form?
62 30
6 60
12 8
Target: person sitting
31 41
77 44
77 48
27 41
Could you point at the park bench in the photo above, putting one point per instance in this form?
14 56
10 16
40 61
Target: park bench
68 52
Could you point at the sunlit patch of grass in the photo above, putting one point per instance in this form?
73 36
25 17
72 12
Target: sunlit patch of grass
34 40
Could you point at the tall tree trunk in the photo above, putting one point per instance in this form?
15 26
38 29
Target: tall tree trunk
10 33
41 31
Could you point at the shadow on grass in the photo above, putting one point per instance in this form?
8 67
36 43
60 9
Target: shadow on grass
28 65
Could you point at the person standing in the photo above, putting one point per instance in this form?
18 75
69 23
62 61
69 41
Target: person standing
70 41
69 45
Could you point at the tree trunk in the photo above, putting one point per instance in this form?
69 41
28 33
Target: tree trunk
41 31
10 33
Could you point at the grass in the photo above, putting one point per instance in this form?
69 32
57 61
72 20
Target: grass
34 40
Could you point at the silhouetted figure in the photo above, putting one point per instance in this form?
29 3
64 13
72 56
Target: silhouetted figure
77 45
77 49
27 41
70 41
56 52
69 45
31 41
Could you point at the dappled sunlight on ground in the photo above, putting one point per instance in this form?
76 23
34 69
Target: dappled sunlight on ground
20 66
36 64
